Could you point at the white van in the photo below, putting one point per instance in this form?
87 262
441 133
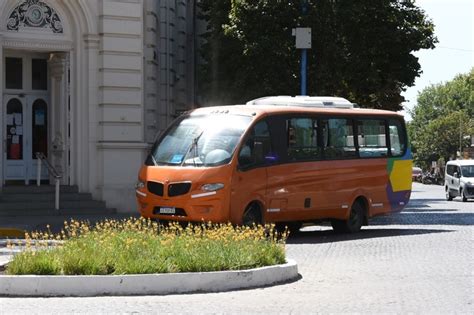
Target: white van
459 179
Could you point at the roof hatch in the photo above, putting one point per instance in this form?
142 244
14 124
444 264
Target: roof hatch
303 101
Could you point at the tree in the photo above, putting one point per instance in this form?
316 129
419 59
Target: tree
443 116
361 50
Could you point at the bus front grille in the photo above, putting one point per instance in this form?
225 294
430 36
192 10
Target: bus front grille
177 189
155 188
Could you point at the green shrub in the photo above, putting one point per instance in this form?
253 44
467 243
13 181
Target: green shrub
139 246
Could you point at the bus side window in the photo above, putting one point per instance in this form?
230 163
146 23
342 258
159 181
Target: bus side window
256 150
397 138
303 139
371 138
338 138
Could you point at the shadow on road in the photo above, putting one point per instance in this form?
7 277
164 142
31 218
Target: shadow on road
416 210
424 201
421 216
435 217
328 236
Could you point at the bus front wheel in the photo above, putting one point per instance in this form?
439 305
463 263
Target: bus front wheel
353 223
252 215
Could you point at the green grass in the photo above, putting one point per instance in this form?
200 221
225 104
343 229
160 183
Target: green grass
139 246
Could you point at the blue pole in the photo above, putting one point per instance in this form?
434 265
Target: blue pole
304 55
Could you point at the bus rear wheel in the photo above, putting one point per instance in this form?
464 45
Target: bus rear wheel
353 223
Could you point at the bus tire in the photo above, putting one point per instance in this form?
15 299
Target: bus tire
252 215
353 223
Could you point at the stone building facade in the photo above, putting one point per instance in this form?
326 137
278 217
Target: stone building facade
90 83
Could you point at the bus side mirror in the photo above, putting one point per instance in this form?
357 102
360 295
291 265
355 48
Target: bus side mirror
456 175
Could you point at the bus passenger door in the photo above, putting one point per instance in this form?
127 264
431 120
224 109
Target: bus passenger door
247 187
249 181
293 192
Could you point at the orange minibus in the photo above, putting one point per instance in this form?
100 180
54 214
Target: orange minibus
280 159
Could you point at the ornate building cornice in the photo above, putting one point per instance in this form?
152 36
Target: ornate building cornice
39 44
35 14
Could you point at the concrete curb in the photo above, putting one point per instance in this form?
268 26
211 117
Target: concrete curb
150 284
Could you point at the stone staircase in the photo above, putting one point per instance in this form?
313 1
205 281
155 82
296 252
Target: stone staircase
32 200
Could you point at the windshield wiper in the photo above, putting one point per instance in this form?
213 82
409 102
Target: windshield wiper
153 159
194 145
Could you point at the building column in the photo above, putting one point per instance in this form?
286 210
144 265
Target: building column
58 66
2 110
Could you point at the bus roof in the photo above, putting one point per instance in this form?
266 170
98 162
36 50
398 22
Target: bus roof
263 110
303 101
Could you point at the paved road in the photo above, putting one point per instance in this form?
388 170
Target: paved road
419 261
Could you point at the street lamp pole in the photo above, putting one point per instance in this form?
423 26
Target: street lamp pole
304 54
303 42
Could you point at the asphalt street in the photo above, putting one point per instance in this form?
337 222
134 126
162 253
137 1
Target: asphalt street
418 261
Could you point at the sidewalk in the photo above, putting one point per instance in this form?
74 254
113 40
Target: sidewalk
16 226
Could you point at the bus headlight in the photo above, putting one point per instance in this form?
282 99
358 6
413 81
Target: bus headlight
140 184
212 187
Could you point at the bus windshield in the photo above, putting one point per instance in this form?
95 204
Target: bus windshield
208 140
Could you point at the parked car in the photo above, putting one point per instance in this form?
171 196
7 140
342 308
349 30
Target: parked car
416 174
459 179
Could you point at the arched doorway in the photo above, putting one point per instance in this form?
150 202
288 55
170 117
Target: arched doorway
38 40
26 129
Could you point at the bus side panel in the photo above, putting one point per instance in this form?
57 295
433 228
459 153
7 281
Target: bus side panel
345 180
351 179
400 180
246 187
331 186
371 184
294 191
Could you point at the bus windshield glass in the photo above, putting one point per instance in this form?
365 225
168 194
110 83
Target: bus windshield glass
207 140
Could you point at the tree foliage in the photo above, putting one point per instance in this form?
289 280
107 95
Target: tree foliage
443 116
361 50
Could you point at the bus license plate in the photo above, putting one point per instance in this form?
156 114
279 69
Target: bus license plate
167 210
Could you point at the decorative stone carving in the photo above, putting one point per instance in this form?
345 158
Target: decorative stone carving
57 150
34 13
58 145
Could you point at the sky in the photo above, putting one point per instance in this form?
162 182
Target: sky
454 53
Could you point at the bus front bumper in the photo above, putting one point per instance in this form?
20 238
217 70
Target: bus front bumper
197 207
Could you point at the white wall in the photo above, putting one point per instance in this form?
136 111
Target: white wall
120 136
131 65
